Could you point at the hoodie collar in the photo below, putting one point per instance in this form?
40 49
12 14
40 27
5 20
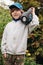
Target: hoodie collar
16 19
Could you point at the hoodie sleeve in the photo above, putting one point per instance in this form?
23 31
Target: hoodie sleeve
3 42
34 23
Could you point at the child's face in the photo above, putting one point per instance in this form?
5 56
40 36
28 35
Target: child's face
16 13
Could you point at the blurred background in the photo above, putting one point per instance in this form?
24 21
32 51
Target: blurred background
34 52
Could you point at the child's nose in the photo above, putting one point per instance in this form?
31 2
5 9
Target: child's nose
15 11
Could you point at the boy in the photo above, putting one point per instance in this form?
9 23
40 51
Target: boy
14 40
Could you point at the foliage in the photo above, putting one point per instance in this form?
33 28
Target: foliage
27 3
4 19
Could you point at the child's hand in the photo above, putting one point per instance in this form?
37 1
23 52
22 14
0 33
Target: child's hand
5 55
33 10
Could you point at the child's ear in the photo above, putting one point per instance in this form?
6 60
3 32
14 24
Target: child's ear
22 11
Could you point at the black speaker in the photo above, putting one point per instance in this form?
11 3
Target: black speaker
27 17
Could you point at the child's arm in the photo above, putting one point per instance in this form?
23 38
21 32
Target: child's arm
34 23
3 44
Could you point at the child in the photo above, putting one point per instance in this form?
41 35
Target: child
14 40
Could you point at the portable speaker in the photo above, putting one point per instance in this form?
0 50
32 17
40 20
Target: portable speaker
27 17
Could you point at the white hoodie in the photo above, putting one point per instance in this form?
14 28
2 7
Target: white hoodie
14 40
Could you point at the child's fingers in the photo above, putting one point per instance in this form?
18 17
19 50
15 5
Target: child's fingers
5 55
33 9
